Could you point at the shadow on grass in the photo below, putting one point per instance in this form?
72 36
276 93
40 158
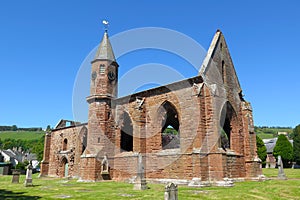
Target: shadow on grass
7 194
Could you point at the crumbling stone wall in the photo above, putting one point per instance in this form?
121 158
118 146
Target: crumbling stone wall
56 157
200 108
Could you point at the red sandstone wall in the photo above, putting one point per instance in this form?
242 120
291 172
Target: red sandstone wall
74 149
198 109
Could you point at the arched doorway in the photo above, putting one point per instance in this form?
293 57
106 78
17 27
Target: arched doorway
170 136
65 167
228 124
126 133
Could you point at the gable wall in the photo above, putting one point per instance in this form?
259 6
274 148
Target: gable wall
72 153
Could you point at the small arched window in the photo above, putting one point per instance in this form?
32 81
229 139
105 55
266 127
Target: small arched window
65 144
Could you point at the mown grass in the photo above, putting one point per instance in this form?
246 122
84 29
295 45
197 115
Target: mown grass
265 135
52 188
22 135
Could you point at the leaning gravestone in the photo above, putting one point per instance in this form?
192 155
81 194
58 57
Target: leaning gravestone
171 192
140 183
281 174
28 180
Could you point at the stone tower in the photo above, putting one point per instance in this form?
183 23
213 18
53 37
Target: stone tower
126 138
103 90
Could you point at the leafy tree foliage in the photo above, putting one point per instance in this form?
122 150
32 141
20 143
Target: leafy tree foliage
48 128
261 149
7 144
22 165
14 128
285 149
296 144
38 148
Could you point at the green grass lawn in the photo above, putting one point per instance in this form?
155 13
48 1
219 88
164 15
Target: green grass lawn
265 135
52 188
23 135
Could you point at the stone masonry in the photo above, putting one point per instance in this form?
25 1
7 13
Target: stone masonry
212 133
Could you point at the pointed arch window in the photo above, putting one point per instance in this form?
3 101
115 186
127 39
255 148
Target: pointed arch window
170 135
126 141
227 124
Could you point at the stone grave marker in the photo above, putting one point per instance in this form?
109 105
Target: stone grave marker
15 176
281 174
140 183
28 180
171 192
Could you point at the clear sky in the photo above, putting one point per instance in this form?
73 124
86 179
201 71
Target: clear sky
43 44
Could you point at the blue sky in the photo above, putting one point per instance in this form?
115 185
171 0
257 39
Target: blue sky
43 44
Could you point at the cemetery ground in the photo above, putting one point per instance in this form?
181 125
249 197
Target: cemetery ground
54 188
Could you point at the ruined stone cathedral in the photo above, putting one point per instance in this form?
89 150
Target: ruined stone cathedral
201 127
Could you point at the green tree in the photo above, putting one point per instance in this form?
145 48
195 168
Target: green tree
285 149
22 165
48 129
7 144
14 128
261 149
296 145
38 148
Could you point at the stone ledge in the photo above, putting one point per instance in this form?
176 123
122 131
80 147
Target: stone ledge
88 156
126 154
169 152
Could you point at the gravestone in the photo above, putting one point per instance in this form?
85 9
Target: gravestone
28 180
281 174
16 176
267 162
171 192
140 183
293 165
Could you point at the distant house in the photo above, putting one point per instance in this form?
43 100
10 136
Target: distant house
10 156
283 133
270 144
16 155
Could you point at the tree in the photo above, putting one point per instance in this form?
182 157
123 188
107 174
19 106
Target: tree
38 148
7 144
285 149
14 128
296 144
48 129
261 149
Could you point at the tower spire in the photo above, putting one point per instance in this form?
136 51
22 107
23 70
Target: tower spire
105 51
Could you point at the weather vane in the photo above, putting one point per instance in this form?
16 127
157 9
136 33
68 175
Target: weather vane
105 24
